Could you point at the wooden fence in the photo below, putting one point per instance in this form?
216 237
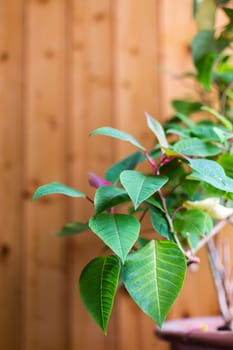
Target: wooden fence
66 68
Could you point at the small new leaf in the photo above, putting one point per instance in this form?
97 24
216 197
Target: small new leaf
157 129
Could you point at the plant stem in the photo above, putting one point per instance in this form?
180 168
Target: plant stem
218 227
90 199
220 285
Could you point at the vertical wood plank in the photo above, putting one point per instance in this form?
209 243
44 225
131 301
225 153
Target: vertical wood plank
10 171
135 67
45 295
175 31
91 84
136 90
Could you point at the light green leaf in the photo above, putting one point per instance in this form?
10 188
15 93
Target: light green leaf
118 231
98 285
107 197
158 131
153 276
205 14
139 186
128 163
196 147
219 116
72 228
115 133
212 173
57 188
193 221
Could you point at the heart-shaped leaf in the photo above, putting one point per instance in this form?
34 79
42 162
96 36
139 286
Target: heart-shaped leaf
57 188
98 284
139 186
118 231
154 276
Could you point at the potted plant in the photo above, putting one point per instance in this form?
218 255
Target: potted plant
185 190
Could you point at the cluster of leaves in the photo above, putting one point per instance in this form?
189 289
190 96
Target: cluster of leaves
188 191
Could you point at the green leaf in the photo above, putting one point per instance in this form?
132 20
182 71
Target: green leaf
118 231
212 173
115 133
57 188
128 163
139 186
202 44
206 131
159 223
142 241
203 52
229 13
98 285
157 129
226 161
219 116
205 69
154 276
107 197
193 221
72 228
186 107
154 203
196 147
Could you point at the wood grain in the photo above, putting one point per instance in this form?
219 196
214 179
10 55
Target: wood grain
11 29
91 86
68 67
45 266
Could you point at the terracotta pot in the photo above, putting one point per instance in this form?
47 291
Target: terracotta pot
196 334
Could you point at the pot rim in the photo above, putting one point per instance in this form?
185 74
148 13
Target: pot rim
196 330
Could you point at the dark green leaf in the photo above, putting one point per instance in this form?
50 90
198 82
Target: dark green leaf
202 44
159 223
129 163
204 68
226 161
98 285
107 197
72 228
186 107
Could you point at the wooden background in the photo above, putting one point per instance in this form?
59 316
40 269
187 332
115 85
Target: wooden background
66 68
